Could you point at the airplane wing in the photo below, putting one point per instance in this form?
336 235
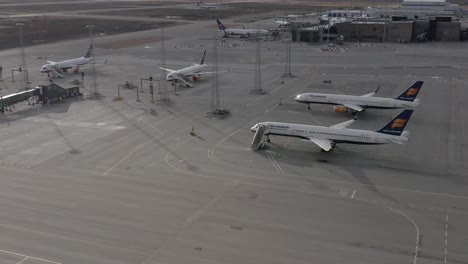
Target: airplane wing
371 94
166 69
343 124
354 107
51 62
208 72
325 144
100 61
368 95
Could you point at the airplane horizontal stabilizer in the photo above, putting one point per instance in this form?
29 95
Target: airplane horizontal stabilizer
395 141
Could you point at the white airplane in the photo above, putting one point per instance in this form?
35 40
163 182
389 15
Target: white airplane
189 74
5 18
58 68
327 137
355 104
203 5
243 32
287 20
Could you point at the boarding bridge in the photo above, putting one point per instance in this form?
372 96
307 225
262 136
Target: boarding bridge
257 139
185 79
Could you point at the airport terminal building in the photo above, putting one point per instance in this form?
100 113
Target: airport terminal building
414 20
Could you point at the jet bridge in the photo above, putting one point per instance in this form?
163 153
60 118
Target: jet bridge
257 139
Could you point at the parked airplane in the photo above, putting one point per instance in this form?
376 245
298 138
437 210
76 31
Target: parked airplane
5 18
327 137
287 20
58 68
355 104
243 32
203 5
189 74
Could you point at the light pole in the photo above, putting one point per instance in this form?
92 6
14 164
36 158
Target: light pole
23 69
94 88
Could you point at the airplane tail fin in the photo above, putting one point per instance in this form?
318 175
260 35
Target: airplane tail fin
398 124
411 93
203 58
220 25
89 53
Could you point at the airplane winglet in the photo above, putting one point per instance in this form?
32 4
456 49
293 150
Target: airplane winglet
203 58
377 90
356 116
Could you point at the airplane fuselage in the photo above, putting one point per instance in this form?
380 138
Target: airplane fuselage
345 135
366 102
246 32
67 64
189 71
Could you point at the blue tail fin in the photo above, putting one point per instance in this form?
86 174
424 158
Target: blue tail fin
203 58
398 124
220 25
411 93
89 53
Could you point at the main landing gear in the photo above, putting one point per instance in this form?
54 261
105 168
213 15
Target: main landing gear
268 139
308 106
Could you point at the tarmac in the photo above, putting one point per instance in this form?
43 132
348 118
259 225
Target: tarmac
108 181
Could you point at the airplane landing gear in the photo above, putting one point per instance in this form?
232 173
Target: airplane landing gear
308 106
333 145
268 139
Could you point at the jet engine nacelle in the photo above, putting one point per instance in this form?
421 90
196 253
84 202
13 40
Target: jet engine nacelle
75 69
340 109
196 77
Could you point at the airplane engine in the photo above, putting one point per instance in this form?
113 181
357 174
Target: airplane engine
196 77
75 69
340 109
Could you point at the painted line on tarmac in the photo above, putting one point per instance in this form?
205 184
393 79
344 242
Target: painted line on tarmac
383 187
416 250
137 148
275 163
446 238
28 257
